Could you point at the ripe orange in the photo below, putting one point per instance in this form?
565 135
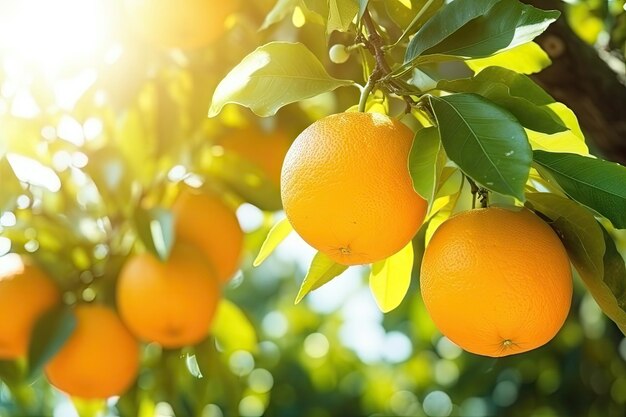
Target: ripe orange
266 150
99 360
205 221
346 187
26 293
496 281
182 24
172 302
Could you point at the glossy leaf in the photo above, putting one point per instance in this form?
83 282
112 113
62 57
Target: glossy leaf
558 142
270 78
506 25
232 329
322 270
595 183
569 141
591 251
49 335
578 229
275 236
390 279
426 162
527 58
447 21
485 141
341 13
514 92
614 304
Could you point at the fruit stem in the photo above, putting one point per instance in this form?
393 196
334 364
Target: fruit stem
481 193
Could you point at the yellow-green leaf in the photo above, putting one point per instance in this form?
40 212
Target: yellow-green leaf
390 279
559 142
232 329
275 236
527 58
322 270
341 14
274 75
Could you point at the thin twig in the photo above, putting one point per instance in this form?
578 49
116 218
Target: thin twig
376 46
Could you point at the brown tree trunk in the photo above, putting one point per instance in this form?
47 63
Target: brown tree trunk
584 82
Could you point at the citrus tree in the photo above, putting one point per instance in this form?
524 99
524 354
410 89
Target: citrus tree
407 141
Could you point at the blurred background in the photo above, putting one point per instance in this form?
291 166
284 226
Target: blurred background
102 120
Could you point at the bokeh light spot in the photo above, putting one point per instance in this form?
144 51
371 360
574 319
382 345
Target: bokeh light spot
437 404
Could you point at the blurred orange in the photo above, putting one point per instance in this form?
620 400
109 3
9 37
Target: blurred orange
172 302
205 221
266 150
99 360
26 293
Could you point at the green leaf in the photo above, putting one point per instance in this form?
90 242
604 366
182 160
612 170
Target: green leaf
570 141
232 329
514 92
591 251
246 179
578 229
275 236
598 184
341 13
280 11
156 230
426 162
137 144
49 334
274 75
504 26
614 304
559 142
322 270
485 141
447 21
419 247
527 58
390 279
12 372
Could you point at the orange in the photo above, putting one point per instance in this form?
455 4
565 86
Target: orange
346 188
100 359
205 221
182 24
496 281
172 302
265 150
26 293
